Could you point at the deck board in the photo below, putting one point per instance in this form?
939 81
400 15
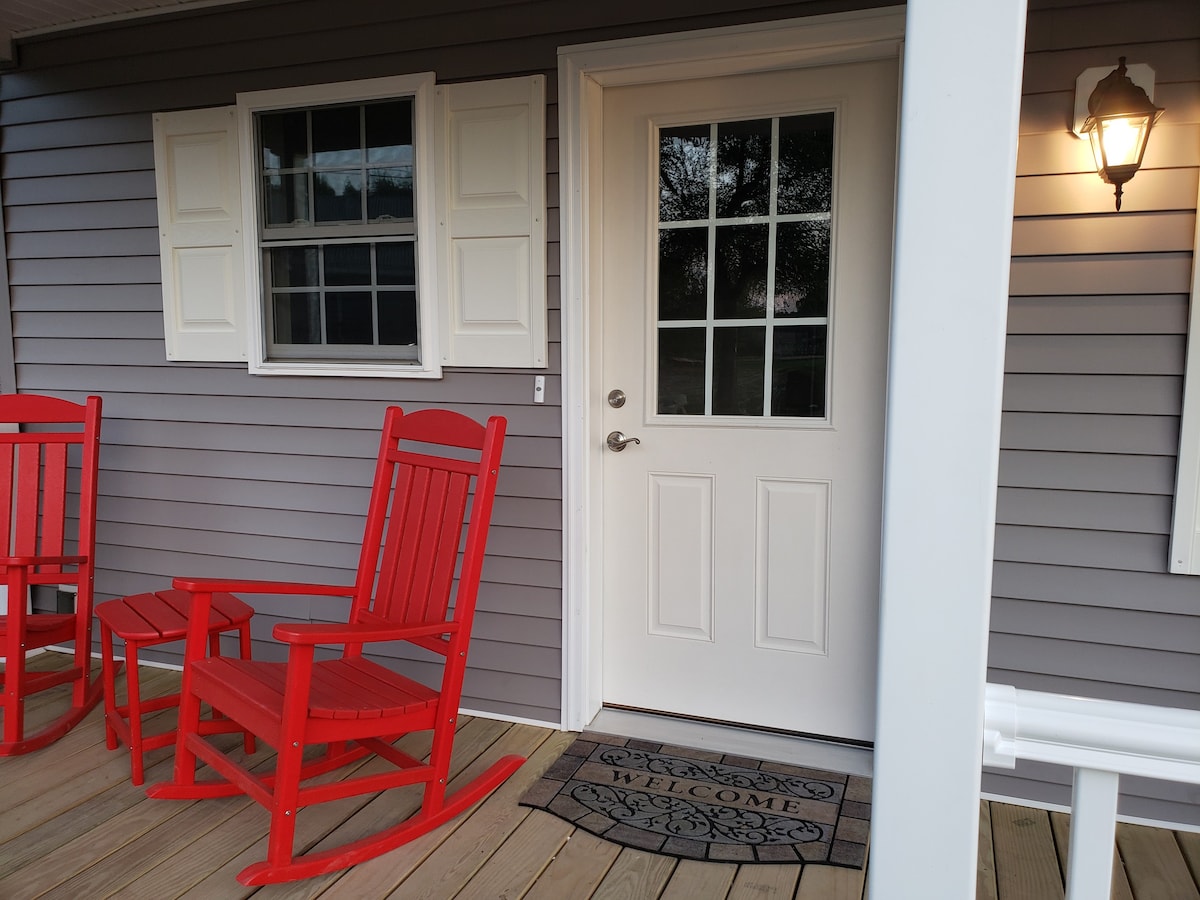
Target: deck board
80 829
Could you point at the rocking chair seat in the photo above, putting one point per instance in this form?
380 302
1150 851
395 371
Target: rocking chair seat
49 627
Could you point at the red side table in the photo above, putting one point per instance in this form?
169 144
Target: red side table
143 620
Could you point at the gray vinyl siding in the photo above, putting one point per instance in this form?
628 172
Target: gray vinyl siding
207 469
1097 338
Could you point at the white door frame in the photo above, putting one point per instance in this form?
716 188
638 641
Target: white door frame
584 72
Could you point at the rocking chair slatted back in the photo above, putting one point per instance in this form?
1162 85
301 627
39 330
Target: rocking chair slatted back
417 539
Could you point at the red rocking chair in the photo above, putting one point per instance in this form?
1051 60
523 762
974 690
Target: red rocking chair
402 592
36 505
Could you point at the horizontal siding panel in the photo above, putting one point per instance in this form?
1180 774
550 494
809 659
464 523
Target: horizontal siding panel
1087 472
1053 111
1095 662
102 157
1079 547
97 326
125 387
1159 592
1131 21
1099 354
1122 395
73 216
1147 273
1092 625
1081 509
1151 395
1173 60
122 269
76 244
1056 195
90 131
1169 147
80 188
88 298
1128 233
1156 435
1099 314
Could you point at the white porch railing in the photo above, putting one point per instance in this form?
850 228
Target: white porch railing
1101 740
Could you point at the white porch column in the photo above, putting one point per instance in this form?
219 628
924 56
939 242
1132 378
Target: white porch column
958 137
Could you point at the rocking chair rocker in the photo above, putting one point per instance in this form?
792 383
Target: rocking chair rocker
353 705
35 548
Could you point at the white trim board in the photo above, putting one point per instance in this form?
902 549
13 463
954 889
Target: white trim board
584 72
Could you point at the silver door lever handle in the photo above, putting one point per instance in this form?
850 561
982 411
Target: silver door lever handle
617 441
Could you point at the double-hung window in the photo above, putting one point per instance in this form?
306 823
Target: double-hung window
342 225
384 227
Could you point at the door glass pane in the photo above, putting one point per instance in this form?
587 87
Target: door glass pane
798 371
740 286
683 173
682 273
806 163
802 269
744 242
738 356
681 371
743 168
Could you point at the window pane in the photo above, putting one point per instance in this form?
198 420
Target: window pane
390 193
348 318
802 269
681 371
806 163
389 132
395 263
398 318
683 173
284 140
337 136
740 284
285 198
347 264
743 168
682 273
297 318
739 358
338 196
294 267
798 371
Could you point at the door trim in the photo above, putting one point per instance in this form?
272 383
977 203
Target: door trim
584 71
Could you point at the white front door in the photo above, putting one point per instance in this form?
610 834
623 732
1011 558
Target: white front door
747 229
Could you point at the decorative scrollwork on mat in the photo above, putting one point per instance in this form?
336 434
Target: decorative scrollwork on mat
748 779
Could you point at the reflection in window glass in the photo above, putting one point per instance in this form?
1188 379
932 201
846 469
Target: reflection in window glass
297 318
738 358
683 173
337 196
802 269
740 279
798 371
682 273
744 242
806 163
743 168
681 371
337 136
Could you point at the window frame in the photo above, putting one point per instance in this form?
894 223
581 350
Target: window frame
418 86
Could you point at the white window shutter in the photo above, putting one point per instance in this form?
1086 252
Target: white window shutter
200 240
491 183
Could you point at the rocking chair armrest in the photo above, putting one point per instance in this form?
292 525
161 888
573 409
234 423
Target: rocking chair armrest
310 633
246 586
30 561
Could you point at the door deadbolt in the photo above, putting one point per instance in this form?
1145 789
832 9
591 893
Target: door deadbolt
616 398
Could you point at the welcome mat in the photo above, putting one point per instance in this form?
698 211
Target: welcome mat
707 806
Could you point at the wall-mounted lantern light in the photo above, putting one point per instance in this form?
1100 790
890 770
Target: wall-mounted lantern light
1114 110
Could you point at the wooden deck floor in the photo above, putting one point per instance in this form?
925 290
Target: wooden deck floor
72 826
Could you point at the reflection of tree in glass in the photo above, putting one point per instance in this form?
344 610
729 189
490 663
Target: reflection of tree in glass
740 277
802 269
805 182
683 173
743 168
390 194
682 273
334 205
